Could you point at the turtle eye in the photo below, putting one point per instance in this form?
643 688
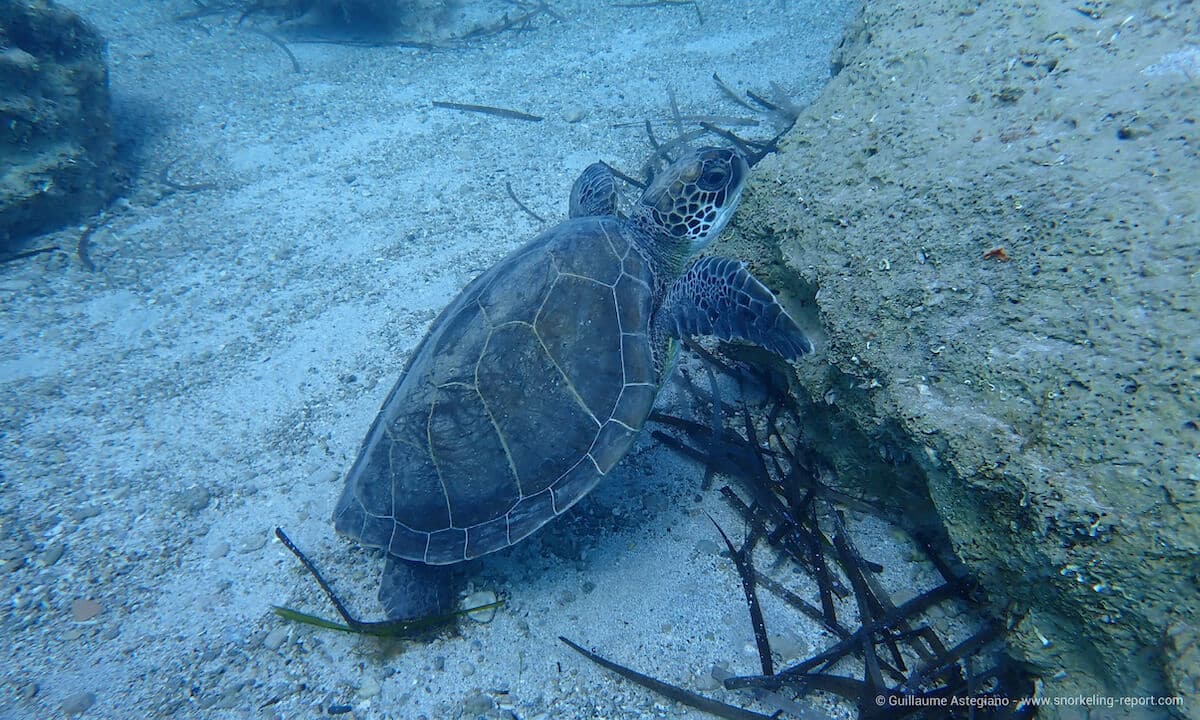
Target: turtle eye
714 178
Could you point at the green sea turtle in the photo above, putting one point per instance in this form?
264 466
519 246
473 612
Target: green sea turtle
534 382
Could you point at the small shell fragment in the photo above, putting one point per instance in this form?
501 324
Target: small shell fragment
479 599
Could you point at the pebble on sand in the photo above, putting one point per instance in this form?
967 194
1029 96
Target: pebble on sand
323 476
252 542
275 638
52 553
368 688
77 703
218 551
84 609
193 499
477 704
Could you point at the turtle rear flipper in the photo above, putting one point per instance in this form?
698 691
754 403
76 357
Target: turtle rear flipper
719 297
409 590
594 194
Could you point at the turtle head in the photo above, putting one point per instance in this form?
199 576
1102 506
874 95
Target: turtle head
688 203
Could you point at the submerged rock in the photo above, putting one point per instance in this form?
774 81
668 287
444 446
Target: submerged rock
1003 280
56 139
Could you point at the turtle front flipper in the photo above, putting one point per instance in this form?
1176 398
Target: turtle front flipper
594 194
719 297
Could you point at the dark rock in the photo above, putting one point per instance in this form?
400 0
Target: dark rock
55 125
